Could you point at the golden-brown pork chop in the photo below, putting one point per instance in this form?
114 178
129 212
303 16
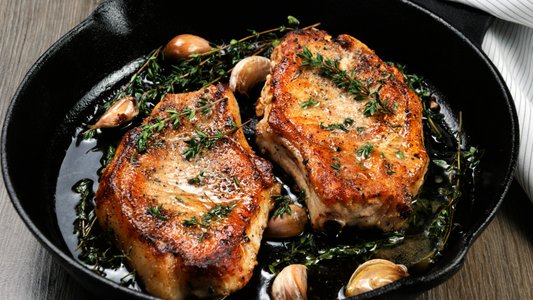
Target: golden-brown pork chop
194 222
358 170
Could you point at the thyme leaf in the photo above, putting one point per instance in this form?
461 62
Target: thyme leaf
309 103
236 180
400 154
156 212
196 179
217 213
366 150
332 127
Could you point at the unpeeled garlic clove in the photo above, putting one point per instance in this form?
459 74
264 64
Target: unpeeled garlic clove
290 284
121 112
249 72
184 45
287 225
373 274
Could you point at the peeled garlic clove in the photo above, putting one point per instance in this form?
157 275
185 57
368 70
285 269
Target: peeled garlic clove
184 45
373 274
249 72
121 112
290 284
287 225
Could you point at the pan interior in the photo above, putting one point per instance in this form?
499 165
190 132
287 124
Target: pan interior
100 55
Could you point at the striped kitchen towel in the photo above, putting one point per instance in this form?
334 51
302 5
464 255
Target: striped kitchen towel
509 44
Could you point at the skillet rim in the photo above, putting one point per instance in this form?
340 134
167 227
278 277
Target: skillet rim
433 279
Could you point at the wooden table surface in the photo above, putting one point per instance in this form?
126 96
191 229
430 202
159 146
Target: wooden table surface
498 266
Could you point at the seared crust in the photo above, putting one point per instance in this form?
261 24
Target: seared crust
173 260
368 192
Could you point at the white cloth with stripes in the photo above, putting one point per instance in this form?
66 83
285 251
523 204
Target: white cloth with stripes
509 44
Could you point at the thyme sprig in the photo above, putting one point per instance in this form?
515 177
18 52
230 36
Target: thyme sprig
463 162
366 150
156 78
204 142
111 150
96 246
147 130
305 251
309 103
330 69
333 126
196 180
132 88
156 212
217 213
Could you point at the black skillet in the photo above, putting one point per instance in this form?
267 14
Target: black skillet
60 90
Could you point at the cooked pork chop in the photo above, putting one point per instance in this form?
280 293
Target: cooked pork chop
193 222
357 170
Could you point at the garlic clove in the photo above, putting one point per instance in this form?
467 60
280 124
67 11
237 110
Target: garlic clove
249 72
290 284
288 225
184 45
121 112
373 274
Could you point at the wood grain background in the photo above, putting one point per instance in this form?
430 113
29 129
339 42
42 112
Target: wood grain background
498 266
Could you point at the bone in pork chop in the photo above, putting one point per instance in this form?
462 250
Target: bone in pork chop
193 222
358 170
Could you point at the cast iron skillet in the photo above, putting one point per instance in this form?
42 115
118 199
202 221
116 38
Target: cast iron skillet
64 84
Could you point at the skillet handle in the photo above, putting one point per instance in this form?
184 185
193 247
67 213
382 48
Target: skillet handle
472 22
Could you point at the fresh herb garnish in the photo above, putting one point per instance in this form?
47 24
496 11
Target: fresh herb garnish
151 83
307 252
108 158
366 150
196 179
348 121
332 127
236 180
217 213
204 142
400 154
330 69
179 199
156 212
309 103
174 118
95 245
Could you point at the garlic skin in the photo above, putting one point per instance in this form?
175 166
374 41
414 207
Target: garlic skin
287 225
249 72
121 112
290 284
373 274
184 45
